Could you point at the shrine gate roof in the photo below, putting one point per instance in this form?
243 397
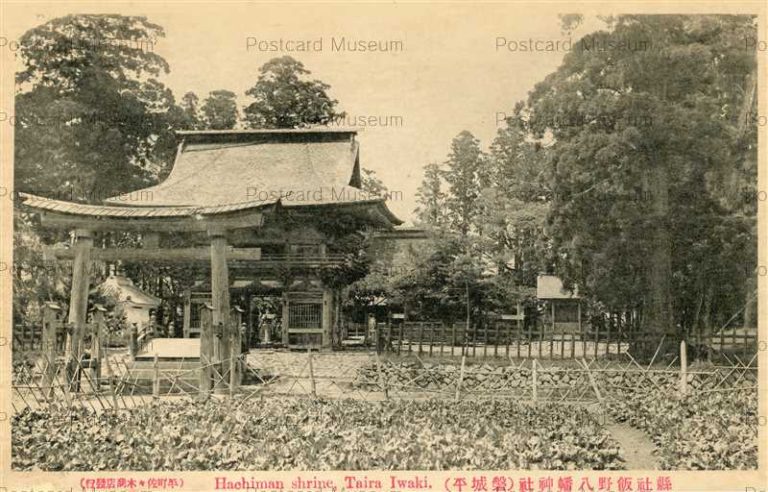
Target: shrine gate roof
226 168
216 172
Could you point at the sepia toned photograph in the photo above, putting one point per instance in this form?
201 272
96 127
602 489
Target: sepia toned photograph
383 240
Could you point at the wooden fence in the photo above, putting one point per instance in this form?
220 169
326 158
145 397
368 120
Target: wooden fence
536 340
369 376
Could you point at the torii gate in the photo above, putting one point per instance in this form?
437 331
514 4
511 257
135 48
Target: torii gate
85 220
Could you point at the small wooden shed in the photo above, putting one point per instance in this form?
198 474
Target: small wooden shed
135 303
562 306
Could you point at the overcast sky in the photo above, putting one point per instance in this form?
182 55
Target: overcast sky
448 68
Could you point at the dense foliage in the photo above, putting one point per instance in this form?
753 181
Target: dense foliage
709 431
92 118
280 434
650 156
285 97
630 171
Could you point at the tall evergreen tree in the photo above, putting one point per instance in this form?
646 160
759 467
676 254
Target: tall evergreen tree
220 110
190 106
91 118
285 97
430 197
638 135
466 175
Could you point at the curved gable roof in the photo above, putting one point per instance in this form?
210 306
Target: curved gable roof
233 167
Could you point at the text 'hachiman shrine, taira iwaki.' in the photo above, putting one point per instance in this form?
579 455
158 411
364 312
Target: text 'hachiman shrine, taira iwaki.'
252 206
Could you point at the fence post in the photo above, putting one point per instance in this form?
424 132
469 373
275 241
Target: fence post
156 377
431 337
382 380
592 381
311 374
442 337
113 390
132 341
421 334
683 368
461 377
535 381
233 353
453 337
49 345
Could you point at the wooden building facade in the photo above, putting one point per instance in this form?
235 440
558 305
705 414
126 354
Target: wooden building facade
242 206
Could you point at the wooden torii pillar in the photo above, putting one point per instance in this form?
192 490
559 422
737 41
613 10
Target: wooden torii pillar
207 338
220 307
78 303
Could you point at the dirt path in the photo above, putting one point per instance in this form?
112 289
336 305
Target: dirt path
636 446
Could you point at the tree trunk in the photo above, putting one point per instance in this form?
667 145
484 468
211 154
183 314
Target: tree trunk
706 315
749 302
468 304
659 319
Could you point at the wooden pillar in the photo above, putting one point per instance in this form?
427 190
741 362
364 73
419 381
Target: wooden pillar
552 336
51 322
684 368
220 303
327 313
206 348
78 301
327 310
97 353
285 321
236 349
133 344
249 322
578 313
237 315
187 313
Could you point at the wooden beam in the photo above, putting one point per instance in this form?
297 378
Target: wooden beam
170 255
199 223
274 235
404 233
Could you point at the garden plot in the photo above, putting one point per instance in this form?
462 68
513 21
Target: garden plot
289 433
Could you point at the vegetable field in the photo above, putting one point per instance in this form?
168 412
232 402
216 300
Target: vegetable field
715 431
281 434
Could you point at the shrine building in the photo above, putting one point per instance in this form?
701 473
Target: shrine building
245 209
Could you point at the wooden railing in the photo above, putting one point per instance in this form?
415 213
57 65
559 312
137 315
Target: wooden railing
298 260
